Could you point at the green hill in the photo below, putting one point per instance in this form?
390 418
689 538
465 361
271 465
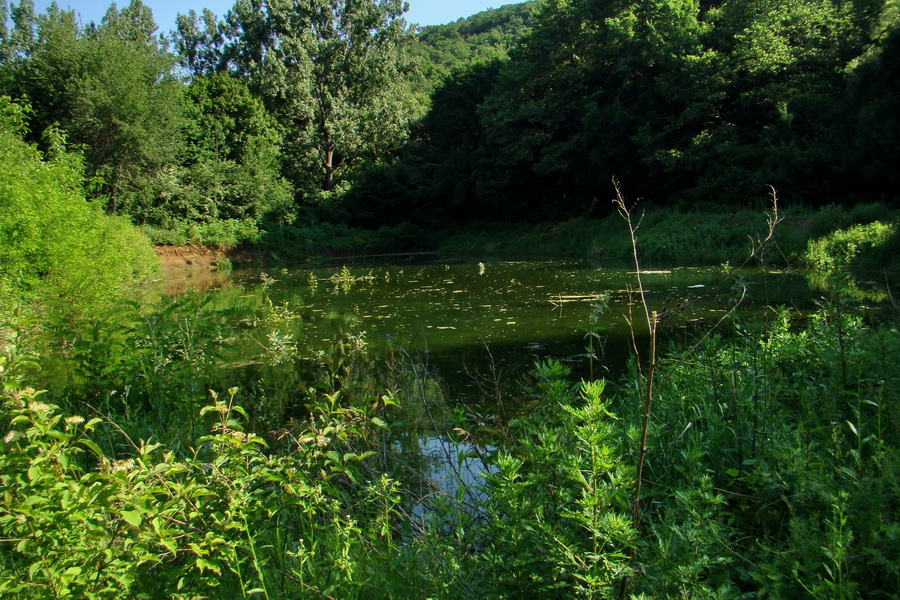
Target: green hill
439 49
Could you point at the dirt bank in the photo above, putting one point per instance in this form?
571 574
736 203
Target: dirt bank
205 257
179 257
200 268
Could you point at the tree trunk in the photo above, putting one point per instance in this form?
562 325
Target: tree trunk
328 184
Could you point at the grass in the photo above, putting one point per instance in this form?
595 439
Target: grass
667 236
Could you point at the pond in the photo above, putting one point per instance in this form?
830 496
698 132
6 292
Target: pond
471 329
467 318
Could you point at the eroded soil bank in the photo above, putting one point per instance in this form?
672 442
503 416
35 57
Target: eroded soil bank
205 257
200 268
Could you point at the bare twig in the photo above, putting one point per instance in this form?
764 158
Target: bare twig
773 219
652 320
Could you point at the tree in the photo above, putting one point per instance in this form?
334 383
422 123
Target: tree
111 89
23 34
485 36
687 100
199 42
127 107
330 70
233 160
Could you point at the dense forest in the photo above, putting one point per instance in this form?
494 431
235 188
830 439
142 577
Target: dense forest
185 445
234 127
688 103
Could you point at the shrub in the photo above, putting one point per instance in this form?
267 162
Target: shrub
225 233
55 244
226 519
840 249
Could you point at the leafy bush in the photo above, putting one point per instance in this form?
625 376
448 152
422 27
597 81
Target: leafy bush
558 506
296 242
226 520
55 244
224 233
839 250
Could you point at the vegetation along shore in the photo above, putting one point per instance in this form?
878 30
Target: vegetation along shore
533 390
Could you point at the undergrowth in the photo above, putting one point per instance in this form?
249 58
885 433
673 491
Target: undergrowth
773 470
701 235
770 467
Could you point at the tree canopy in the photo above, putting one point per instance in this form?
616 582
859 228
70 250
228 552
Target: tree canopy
689 102
340 110
331 73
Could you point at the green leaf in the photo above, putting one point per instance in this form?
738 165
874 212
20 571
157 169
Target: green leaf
91 446
132 517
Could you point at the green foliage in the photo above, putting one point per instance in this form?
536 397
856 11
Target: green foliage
330 72
155 149
224 233
111 90
232 172
559 522
228 519
705 235
686 102
837 251
847 260
483 37
772 466
297 242
56 245
768 445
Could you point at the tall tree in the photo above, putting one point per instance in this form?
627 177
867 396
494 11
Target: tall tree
127 106
134 23
330 70
199 42
111 89
4 30
24 29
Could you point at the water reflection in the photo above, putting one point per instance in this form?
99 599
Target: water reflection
454 470
521 311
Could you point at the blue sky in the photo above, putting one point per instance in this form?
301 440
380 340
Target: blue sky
423 12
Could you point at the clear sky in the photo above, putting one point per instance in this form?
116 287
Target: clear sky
423 12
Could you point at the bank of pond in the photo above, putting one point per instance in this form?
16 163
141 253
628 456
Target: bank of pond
457 429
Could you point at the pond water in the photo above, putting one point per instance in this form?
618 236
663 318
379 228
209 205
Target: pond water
475 327
465 318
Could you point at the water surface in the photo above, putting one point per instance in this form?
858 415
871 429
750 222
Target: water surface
463 318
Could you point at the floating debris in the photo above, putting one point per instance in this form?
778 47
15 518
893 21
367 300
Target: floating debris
560 300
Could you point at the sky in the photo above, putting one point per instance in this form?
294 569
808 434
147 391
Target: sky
422 12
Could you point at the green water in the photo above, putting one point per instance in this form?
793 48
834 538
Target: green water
467 319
